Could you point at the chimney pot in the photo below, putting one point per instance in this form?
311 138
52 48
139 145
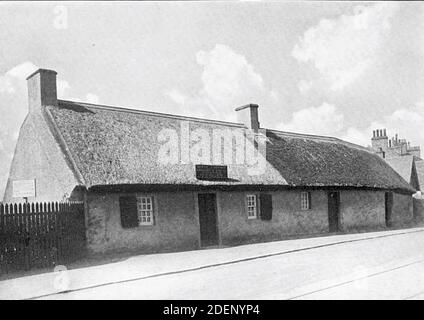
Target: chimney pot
42 89
248 115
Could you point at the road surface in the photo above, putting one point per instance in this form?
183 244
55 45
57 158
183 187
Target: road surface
389 267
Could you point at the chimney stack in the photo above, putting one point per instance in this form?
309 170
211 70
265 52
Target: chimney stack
248 115
379 141
42 89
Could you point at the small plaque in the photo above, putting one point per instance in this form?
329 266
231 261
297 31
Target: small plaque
24 188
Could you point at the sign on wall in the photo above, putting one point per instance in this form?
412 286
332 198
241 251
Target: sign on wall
23 188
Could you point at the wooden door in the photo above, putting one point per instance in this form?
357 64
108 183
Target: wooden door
333 211
388 204
208 219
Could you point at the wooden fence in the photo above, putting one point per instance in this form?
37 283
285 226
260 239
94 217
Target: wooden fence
37 235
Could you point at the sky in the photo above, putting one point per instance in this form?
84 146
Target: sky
329 68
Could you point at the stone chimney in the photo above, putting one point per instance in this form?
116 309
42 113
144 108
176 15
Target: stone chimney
248 115
379 140
42 89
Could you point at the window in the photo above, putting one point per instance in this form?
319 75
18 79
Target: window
251 203
305 200
145 211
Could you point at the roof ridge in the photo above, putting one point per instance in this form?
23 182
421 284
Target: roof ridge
154 113
315 136
300 135
203 120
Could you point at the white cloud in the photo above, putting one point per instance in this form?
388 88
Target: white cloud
304 86
228 81
89 98
22 71
6 85
322 120
226 74
361 137
14 107
407 122
15 77
176 96
343 49
62 88
92 98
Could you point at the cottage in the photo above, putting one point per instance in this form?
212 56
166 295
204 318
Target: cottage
158 182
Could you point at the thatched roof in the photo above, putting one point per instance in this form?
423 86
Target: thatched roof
115 146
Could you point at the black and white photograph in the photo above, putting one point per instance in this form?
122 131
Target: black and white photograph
213 151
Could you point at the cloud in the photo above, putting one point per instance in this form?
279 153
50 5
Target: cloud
62 88
92 98
322 120
176 96
22 71
228 80
14 107
89 98
6 85
304 86
361 137
226 74
343 49
407 122
15 77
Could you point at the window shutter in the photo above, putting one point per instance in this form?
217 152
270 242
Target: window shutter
153 211
129 215
265 206
310 200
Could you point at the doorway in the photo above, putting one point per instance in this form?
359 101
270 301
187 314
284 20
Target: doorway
333 211
208 219
388 205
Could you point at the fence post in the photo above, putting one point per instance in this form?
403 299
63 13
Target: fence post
39 234
25 236
2 237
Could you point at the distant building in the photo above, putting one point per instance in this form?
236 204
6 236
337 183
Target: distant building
401 156
394 147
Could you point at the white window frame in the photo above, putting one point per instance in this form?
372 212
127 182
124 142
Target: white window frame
252 206
145 210
305 198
